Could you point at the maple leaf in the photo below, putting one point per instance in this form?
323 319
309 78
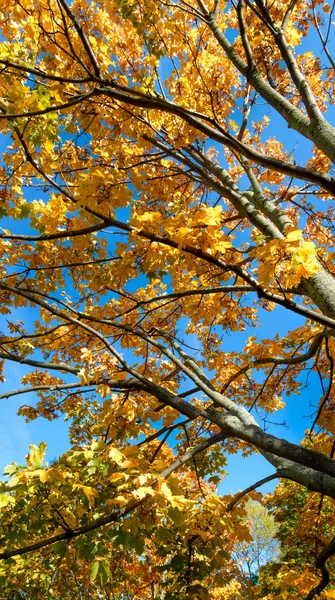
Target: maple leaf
89 492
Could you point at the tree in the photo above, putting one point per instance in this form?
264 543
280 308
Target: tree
165 204
258 552
305 525
264 547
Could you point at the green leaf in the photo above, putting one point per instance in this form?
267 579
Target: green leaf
12 469
219 559
104 572
87 550
24 211
176 515
94 569
122 539
138 545
60 549
215 479
178 562
163 534
98 445
37 454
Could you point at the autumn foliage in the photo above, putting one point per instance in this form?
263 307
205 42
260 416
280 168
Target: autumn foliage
167 185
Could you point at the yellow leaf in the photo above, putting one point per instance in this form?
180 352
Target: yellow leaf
294 236
43 475
6 499
142 492
84 376
233 125
36 456
221 246
165 490
148 217
208 216
293 36
49 146
152 60
89 492
116 456
103 390
114 477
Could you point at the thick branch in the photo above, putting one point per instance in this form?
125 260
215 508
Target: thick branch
321 563
43 74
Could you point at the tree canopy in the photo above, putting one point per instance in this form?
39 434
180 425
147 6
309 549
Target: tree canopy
167 184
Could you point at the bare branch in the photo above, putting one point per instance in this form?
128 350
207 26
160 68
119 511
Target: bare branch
290 360
329 389
82 35
251 488
155 435
39 364
288 14
216 132
38 388
56 108
322 39
53 236
43 74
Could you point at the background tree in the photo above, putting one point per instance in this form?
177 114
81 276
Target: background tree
305 525
171 164
264 546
